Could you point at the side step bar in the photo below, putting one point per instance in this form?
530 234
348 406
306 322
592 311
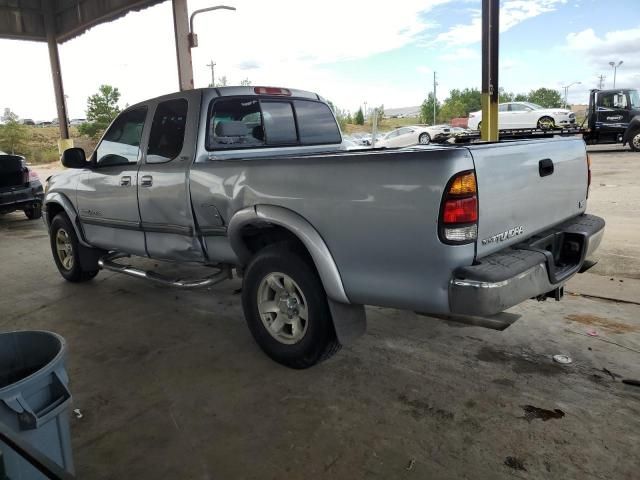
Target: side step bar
108 263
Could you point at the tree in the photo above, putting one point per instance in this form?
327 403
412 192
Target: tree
245 83
13 135
426 109
504 96
546 97
222 81
452 109
520 97
102 108
359 118
470 98
381 111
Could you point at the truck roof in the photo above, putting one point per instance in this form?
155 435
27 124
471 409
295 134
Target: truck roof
240 90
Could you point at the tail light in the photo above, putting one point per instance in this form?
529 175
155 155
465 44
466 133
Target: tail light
458 223
588 174
33 176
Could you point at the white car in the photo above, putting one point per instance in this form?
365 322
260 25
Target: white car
413 135
515 115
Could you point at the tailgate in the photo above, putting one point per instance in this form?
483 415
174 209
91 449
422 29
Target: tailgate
11 171
526 187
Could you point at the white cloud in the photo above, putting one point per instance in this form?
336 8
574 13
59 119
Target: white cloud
460 54
280 42
512 12
598 51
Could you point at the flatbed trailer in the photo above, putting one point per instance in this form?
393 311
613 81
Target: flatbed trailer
613 117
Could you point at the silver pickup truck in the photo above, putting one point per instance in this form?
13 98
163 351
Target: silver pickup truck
253 180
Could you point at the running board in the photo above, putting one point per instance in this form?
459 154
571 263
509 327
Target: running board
108 263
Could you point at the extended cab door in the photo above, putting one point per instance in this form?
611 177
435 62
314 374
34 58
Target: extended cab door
163 189
107 196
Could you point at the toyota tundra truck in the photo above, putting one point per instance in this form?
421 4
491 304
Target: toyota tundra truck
253 182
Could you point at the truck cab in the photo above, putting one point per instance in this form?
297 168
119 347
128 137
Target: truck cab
614 117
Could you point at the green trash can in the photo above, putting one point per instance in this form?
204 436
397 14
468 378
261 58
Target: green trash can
35 400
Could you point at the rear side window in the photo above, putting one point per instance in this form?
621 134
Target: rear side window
167 131
316 123
250 123
235 123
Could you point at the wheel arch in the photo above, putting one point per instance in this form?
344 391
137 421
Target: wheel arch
273 223
632 129
55 203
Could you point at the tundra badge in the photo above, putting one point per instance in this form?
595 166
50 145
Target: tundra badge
501 237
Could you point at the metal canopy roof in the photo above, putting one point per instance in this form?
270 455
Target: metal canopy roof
24 19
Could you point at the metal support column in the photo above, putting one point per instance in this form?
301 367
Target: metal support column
490 35
54 59
183 50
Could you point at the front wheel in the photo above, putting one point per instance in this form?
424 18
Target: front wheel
634 142
546 123
286 307
424 139
66 250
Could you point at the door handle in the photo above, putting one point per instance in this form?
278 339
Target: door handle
146 181
545 167
125 181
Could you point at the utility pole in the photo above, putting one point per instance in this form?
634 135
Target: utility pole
213 77
601 81
365 109
490 87
435 101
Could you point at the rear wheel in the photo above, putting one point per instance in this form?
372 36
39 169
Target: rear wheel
634 142
546 123
34 211
286 307
66 251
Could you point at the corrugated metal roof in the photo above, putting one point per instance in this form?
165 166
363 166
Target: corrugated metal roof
24 19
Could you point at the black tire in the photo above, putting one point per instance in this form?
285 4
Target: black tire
634 141
546 123
34 211
72 271
424 139
319 341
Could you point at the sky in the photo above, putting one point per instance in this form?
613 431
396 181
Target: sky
350 52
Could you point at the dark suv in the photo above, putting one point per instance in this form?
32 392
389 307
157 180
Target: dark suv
20 187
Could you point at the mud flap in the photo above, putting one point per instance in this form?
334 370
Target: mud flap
349 321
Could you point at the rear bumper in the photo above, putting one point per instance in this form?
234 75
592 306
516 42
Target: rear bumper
21 197
507 278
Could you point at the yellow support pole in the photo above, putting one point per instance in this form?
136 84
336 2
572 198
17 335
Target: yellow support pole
490 50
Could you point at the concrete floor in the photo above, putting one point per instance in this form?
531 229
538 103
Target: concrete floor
171 384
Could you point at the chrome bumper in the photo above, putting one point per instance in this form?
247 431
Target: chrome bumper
507 278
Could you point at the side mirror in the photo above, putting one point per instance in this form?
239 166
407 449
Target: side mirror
74 158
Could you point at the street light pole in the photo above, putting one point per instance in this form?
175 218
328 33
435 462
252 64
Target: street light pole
615 69
566 91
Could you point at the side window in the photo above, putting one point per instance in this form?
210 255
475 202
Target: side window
503 107
517 107
316 123
167 131
121 144
279 124
608 100
235 123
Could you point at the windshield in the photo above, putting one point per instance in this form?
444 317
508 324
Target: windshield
532 105
634 96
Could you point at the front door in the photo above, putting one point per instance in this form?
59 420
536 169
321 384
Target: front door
107 196
612 113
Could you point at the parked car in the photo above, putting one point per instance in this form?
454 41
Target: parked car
253 179
43 123
27 121
413 135
516 115
20 187
77 121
